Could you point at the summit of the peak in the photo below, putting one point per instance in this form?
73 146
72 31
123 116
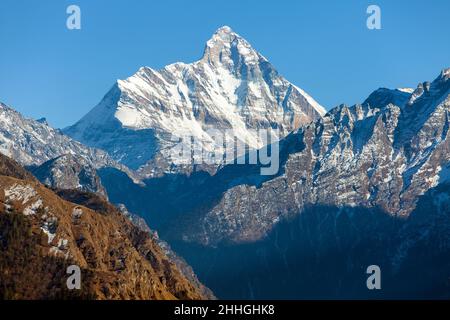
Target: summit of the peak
225 44
232 86
223 35
224 29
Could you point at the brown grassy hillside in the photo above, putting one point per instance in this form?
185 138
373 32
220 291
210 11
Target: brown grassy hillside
41 234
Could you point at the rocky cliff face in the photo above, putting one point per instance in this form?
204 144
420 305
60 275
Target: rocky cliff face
232 87
41 234
69 172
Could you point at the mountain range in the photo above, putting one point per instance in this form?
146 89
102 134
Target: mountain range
358 185
33 142
370 155
362 185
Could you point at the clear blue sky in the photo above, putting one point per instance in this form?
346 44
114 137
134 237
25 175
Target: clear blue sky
322 46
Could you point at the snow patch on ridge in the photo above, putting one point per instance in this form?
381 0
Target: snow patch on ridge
18 192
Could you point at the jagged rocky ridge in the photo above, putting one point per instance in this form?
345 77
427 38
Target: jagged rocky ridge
231 87
41 235
33 142
69 172
371 155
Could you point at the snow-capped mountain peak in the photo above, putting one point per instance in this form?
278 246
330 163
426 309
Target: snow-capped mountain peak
232 87
227 48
